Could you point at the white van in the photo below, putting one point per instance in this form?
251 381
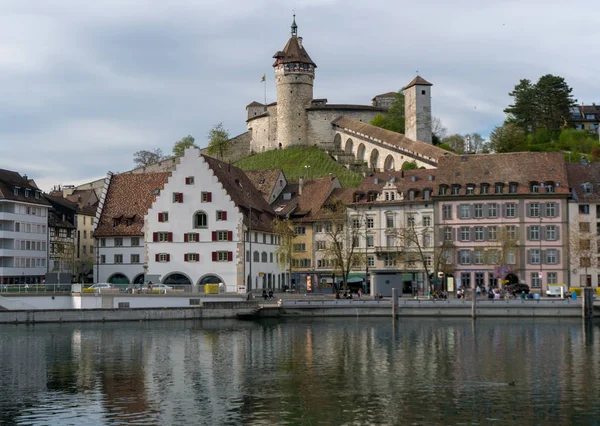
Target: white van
554 290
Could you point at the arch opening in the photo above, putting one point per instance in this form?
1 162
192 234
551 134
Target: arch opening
389 163
337 141
177 279
118 278
374 159
349 146
360 152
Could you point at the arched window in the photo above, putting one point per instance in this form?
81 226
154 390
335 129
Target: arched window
256 256
264 257
200 220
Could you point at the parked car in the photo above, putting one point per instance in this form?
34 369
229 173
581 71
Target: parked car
516 289
161 287
554 290
100 285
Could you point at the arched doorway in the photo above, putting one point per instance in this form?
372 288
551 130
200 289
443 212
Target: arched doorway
118 278
139 279
337 142
360 152
349 146
374 160
212 279
389 163
511 279
177 279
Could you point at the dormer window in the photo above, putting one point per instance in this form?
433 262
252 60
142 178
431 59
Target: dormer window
498 188
535 188
413 178
411 194
512 188
356 197
550 187
27 193
287 196
587 188
470 189
484 188
116 222
443 190
426 194
455 189
371 196
38 195
16 190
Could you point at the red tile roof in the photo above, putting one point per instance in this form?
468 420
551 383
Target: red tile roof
580 174
314 193
293 52
418 81
265 181
10 180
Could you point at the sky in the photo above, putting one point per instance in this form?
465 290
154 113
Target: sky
85 84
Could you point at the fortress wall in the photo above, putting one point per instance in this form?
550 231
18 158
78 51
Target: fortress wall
320 130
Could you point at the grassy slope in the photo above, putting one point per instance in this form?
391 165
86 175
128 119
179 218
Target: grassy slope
292 161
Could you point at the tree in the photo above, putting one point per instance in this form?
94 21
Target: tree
342 239
438 131
180 146
144 158
394 118
409 165
504 249
218 138
456 142
508 138
583 246
284 228
524 110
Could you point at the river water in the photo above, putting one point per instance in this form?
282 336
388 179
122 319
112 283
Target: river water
302 371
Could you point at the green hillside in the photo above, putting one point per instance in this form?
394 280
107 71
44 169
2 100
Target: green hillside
293 161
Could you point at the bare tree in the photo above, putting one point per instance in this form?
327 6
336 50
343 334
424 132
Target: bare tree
503 252
284 228
342 244
144 158
583 246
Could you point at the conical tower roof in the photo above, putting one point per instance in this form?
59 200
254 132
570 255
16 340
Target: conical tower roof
293 52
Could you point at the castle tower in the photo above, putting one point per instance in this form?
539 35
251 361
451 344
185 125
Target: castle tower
417 110
294 75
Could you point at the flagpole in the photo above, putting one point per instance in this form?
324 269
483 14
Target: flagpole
265 81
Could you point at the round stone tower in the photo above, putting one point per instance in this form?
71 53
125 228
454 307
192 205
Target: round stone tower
294 76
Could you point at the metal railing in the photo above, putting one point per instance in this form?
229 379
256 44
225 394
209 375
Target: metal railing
8 289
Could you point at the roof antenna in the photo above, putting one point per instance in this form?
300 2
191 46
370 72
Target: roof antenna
294 26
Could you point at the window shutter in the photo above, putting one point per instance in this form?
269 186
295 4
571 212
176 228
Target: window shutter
229 256
214 256
185 256
485 233
542 209
224 215
441 234
516 210
529 256
156 257
503 210
214 235
486 210
516 233
160 217
529 233
197 257
229 235
543 258
542 232
453 234
558 256
180 196
471 234
155 236
170 237
168 257
187 182
197 237
186 238
471 210
209 196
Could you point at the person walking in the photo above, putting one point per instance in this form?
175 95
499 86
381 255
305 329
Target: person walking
360 294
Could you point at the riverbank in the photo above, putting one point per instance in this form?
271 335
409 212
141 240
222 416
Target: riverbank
297 307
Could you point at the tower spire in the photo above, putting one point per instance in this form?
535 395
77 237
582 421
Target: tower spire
294 27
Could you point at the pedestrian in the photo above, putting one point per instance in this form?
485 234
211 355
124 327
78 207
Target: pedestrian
270 294
264 294
360 294
478 291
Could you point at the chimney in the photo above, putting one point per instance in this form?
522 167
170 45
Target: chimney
300 185
300 41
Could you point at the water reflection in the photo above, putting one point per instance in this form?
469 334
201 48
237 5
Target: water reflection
322 371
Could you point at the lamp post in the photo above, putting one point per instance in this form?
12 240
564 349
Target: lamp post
541 260
307 170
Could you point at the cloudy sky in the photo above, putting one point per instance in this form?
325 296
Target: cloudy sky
85 84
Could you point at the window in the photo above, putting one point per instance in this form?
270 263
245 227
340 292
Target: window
446 211
118 259
426 220
536 281
584 227
534 209
410 220
427 240
465 233
389 221
551 232
84 234
264 257
371 261
221 236
585 262
371 196
511 232
492 233
535 189
552 278
478 210
134 258
256 257
300 230
427 260
443 190
163 216
550 209
299 247
189 180
478 257
470 189
355 223
534 233
118 242
200 220
483 189
498 188
447 234
135 241
222 256
512 188
584 209
590 117
464 257
84 249
479 233
321 245
550 188
370 222
319 227
163 257
178 197
464 211
103 258
270 257
221 215
426 194
370 241
389 261
551 256
103 242
492 257
584 244
511 210
206 197
455 189
511 258
390 240
16 190
191 237
355 242
534 257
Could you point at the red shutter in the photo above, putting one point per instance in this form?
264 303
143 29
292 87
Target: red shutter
170 237
223 215
156 257
168 257
185 238
214 255
180 195
229 256
160 217
197 257
197 237
187 180
214 235
185 256
155 237
209 196
229 236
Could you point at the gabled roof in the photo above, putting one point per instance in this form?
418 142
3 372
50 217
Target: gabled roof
385 95
293 52
55 221
522 168
418 81
397 139
254 103
265 181
129 196
403 180
62 202
10 180
302 207
584 174
345 107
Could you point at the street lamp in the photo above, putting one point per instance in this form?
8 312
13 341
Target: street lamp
307 170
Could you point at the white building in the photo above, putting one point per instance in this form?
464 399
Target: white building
211 225
119 233
23 231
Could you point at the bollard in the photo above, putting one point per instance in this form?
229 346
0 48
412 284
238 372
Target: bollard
474 304
394 303
587 303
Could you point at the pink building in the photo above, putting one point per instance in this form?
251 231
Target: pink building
503 217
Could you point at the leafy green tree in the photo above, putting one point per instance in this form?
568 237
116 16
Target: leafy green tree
524 110
180 146
394 118
284 228
508 138
218 138
144 158
409 165
456 142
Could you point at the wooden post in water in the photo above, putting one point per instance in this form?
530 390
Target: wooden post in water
587 303
394 303
474 303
